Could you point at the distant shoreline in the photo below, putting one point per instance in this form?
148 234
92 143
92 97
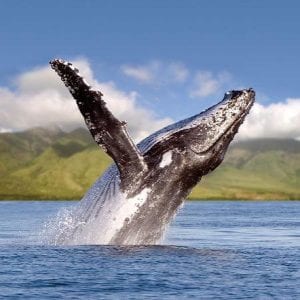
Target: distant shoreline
45 164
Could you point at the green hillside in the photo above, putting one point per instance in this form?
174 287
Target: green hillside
256 169
51 164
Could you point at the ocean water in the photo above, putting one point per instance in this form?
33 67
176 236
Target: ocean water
212 250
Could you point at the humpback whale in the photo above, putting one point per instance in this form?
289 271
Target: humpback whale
135 199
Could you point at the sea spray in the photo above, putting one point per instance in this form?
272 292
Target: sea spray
90 223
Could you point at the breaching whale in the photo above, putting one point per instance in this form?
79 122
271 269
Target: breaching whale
134 200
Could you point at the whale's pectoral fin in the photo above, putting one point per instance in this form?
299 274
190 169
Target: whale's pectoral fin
107 131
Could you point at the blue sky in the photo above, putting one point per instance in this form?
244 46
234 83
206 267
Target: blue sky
177 56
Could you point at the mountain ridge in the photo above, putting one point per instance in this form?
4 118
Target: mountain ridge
42 163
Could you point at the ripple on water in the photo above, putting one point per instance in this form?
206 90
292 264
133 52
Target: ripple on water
203 257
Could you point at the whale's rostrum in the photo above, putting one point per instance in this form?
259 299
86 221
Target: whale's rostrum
134 200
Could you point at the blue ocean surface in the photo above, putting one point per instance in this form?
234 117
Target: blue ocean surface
212 250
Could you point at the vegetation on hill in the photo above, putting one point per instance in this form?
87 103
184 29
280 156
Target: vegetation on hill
51 164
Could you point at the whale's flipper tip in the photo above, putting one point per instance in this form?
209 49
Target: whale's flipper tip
106 129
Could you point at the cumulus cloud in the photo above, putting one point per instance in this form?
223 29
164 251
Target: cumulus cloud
177 72
276 120
206 83
40 99
157 72
142 74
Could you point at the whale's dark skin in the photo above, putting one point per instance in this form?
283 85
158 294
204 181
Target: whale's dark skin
167 164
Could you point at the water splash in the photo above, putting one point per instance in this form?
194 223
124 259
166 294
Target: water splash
97 218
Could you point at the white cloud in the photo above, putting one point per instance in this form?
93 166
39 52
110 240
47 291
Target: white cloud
141 74
206 84
41 99
157 73
177 72
277 120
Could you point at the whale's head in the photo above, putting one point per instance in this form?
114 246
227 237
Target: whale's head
197 145
212 131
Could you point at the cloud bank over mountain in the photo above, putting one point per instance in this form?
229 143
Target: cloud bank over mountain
39 98
277 120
